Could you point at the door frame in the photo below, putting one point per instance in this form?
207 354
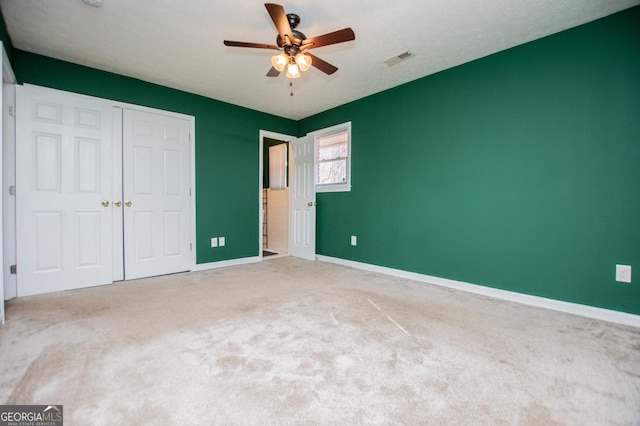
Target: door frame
281 137
7 178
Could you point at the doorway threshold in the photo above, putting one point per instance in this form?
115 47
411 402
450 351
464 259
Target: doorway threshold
271 254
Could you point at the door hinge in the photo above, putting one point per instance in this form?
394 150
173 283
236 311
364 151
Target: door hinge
190 246
12 190
13 269
12 111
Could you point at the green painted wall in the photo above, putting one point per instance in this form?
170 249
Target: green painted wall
518 171
227 147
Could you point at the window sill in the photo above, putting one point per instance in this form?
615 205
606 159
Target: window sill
339 187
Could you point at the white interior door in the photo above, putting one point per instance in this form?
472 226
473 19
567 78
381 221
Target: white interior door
63 180
303 200
156 194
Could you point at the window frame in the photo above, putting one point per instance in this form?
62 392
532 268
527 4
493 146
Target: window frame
330 131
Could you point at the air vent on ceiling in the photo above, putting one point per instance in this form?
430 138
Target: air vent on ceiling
94 3
396 59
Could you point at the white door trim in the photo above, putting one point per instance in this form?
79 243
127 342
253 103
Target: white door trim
7 178
281 137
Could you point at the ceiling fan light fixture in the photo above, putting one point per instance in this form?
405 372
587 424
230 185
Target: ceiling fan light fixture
291 44
279 61
293 71
304 61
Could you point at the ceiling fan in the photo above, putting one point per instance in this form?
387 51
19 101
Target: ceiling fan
293 45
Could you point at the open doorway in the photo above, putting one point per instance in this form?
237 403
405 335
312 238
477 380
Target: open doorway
301 209
274 195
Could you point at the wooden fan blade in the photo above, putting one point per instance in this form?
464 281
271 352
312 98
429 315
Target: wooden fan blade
323 66
254 45
273 72
279 18
339 36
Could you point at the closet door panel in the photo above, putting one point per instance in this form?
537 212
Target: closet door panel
64 189
156 194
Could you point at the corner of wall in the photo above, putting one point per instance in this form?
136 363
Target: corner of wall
6 38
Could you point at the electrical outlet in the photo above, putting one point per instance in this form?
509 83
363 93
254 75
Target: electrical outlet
221 241
623 273
214 242
354 240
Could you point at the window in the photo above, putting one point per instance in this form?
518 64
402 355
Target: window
333 158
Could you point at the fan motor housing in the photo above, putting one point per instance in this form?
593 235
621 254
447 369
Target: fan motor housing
293 19
298 38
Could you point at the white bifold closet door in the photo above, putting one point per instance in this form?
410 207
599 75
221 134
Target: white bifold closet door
102 192
63 177
156 194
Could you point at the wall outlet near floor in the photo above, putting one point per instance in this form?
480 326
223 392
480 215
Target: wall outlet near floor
623 273
354 240
214 242
222 241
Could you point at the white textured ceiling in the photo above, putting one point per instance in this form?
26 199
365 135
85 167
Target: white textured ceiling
179 43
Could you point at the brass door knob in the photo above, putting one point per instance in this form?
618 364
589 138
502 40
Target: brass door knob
127 203
117 203
105 203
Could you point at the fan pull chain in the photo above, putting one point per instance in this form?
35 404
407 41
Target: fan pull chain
291 88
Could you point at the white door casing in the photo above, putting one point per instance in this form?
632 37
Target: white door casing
63 178
303 200
7 179
156 194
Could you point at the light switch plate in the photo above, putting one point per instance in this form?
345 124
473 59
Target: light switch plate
623 273
221 241
214 242
354 240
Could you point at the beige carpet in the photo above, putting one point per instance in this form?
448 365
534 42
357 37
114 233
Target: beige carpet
288 341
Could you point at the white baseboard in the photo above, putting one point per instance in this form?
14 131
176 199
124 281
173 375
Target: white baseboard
225 263
541 302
